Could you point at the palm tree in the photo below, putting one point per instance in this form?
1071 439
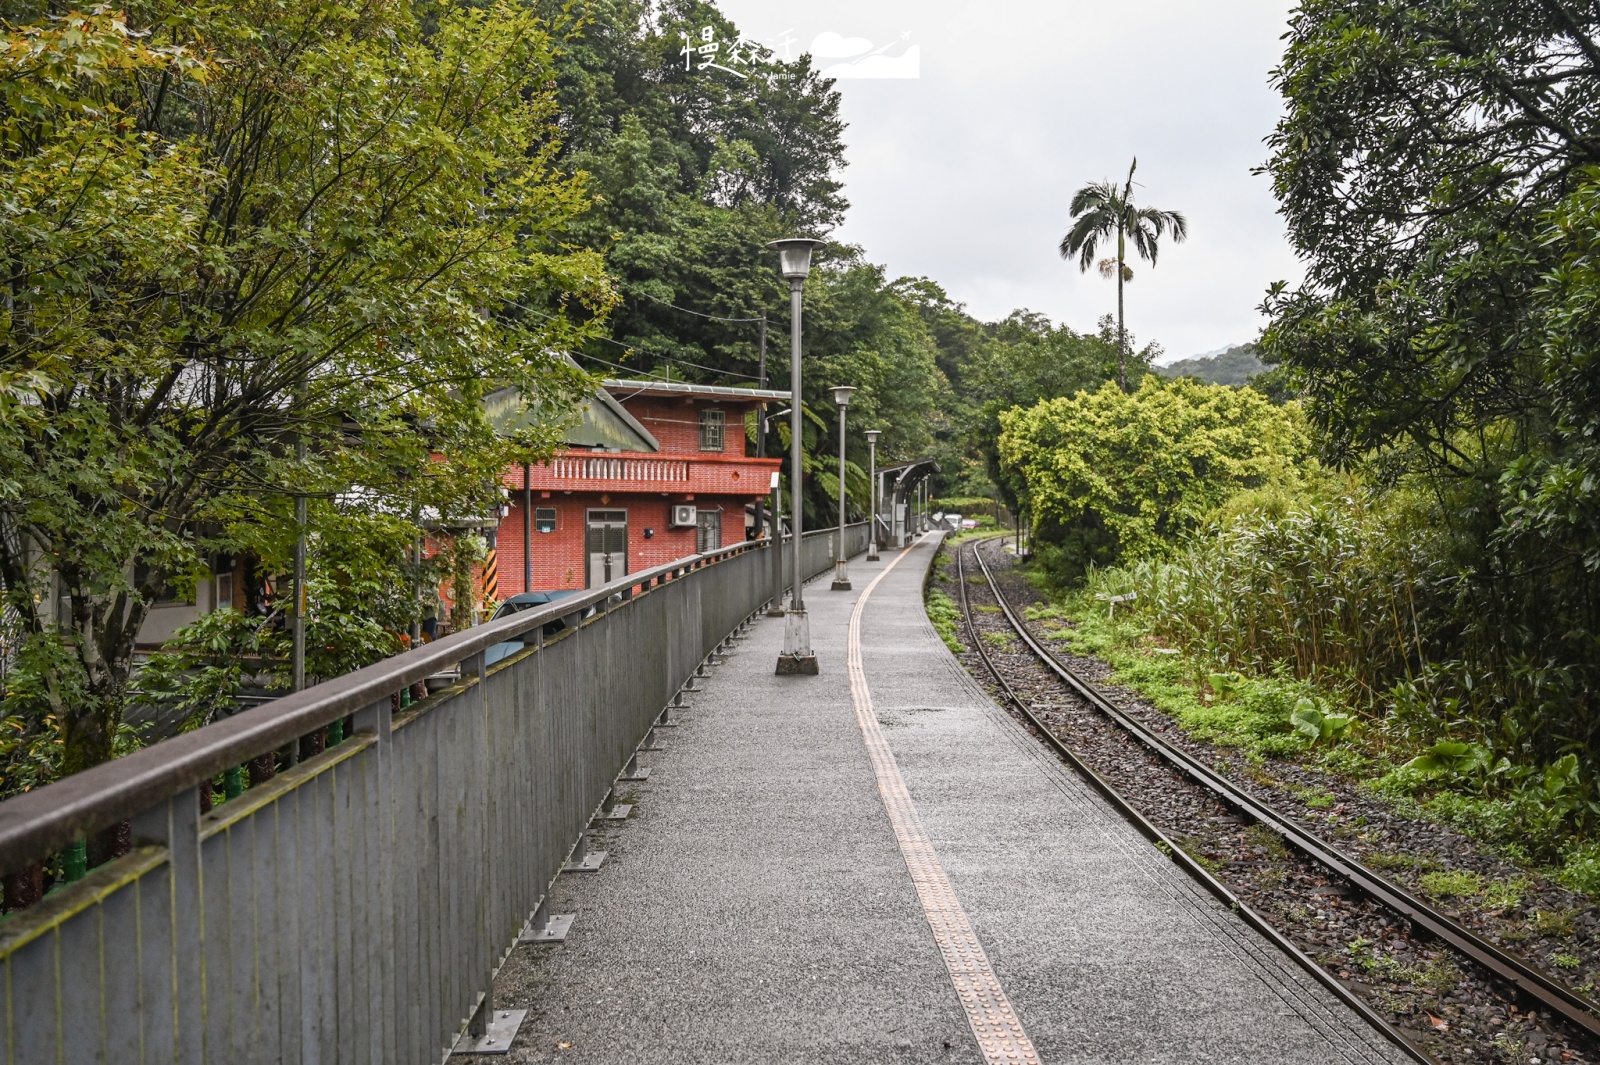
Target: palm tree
1101 209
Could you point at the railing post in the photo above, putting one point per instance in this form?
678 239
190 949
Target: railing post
175 825
377 720
489 1031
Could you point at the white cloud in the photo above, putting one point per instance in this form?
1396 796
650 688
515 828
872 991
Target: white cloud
964 175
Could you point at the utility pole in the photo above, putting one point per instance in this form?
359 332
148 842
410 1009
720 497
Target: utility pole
297 678
761 428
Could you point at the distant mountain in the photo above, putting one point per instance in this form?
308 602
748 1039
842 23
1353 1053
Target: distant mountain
1229 366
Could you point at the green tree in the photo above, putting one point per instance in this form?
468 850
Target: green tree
1434 165
1110 476
692 172
1025 360
1100 211
231 232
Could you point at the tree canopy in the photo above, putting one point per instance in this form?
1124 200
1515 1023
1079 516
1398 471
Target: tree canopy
1436 166
1109 476
231 231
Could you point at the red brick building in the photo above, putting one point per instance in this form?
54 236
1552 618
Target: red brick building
653 472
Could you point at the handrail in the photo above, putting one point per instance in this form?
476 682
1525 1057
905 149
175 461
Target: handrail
38 823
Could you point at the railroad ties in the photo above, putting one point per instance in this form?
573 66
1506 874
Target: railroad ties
1304 892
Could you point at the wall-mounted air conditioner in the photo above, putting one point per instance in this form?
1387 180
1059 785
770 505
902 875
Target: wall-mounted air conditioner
682 515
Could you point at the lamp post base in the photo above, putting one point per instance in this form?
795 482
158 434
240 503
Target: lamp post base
872 553
797 659
797 665
841 576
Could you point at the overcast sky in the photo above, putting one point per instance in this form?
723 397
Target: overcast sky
964 173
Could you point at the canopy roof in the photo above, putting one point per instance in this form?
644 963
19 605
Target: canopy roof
901 477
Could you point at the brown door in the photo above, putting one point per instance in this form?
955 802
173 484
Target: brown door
606 544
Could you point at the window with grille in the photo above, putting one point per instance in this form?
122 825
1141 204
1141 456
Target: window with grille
544 519
713 426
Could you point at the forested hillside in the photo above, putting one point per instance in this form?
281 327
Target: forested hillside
1234 366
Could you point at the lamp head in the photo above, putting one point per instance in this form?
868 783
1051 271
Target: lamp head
872 435
794 256
841 394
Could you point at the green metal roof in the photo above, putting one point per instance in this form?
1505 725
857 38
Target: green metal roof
601 422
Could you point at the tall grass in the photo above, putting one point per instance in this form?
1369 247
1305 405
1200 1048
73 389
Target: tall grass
1367 600
1328 593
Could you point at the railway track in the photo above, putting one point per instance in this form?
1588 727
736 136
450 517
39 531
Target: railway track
1511 975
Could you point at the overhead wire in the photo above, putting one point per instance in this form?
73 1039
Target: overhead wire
631 347
700 314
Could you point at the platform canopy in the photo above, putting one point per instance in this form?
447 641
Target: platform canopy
901 477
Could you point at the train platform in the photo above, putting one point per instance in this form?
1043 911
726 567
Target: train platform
878 864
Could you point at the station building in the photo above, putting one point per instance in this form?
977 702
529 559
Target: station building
652 472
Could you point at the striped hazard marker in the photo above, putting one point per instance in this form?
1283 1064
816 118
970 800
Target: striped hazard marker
491 576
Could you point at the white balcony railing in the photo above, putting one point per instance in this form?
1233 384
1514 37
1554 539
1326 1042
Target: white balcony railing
605 468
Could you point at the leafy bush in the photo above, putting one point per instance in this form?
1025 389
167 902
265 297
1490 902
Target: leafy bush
1538 815
205 665
31 727
1236 710
1450 759
1312 719
1109 476
964 505
1580 869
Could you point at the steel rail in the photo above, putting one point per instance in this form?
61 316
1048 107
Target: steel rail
1149 830
1526 980
37 823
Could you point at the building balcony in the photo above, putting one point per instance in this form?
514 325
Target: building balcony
614 473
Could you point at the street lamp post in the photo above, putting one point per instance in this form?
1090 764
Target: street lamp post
841 572
872 493
794 262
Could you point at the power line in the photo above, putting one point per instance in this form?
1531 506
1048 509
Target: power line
628 347
619 366
699 314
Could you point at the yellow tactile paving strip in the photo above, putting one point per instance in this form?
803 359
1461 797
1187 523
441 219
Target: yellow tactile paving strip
995 1025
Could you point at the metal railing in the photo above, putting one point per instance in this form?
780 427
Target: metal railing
355 906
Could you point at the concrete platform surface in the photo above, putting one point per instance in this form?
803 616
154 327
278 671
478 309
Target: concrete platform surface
757 906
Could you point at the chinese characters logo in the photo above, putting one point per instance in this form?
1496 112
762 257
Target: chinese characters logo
735 57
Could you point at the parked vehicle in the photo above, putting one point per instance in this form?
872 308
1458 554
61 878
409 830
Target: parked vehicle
516 605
